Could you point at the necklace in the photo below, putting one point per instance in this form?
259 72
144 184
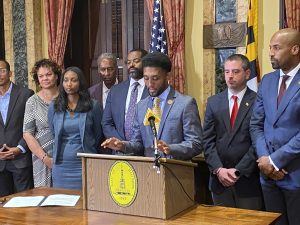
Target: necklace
69 109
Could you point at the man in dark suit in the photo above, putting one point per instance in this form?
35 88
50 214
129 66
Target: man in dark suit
275 128
179 131
234 178
107 70
15 158
118 100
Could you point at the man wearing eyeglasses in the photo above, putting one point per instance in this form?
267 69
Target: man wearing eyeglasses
15 158
107 70
122 98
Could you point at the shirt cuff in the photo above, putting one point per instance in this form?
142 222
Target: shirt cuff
23 151
272 163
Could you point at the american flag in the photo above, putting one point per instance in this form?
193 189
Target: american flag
158 34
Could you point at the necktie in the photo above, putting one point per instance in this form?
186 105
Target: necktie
282 88
234 111
131 111
157 111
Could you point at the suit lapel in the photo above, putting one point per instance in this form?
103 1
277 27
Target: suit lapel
14 95
224 105
288 95
273 93
167 107
245 105
82 121
122 101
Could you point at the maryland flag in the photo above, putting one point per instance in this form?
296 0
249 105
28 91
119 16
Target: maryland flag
251 50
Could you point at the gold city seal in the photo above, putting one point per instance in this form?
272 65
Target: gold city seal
122 183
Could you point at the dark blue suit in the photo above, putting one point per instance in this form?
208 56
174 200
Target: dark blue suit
114 112
276 133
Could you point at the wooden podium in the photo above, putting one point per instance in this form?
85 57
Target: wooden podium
158 195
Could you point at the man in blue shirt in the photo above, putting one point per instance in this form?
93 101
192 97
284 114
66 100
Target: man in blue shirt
15 158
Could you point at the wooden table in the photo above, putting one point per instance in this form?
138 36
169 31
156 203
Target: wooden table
204 215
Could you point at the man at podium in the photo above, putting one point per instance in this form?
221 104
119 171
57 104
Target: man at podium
166 121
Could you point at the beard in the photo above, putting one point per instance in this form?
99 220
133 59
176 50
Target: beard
275 64
135 73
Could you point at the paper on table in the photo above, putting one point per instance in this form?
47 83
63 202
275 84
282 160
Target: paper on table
51 200
62 200
24 201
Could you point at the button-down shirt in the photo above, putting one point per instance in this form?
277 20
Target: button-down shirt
105 91
4 102
140 91
240 96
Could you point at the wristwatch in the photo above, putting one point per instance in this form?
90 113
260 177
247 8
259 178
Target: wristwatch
237 173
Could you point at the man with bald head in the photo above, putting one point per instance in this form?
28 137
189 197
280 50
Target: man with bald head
275 128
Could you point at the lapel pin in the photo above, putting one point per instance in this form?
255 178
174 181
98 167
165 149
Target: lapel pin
170 102
247 104
298 82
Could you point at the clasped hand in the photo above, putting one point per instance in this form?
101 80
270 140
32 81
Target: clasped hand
7 152
268 169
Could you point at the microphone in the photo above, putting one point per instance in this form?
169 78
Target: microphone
151 120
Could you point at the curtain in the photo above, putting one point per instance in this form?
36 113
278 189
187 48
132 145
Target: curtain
58 18
293 13
174 20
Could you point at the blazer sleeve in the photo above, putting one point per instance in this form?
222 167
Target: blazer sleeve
108 124
209 140
192 133
97 117
257 124
51 112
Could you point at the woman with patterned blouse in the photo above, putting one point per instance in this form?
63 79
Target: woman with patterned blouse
36 132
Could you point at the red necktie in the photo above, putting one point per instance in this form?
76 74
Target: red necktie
234 111
282 88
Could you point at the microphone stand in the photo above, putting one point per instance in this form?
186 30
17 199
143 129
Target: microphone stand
156 165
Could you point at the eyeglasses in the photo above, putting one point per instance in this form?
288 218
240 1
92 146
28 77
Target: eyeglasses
108 69
3 70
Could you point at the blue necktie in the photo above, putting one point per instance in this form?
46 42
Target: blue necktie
131 111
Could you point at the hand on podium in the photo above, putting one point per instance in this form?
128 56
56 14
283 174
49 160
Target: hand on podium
113 143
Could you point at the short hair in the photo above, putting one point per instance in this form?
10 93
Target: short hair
142 51
84 104
242 58
157 59
6 64
46 63
109 56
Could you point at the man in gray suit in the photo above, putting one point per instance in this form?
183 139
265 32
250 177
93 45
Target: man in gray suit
15 158
179 132
234 176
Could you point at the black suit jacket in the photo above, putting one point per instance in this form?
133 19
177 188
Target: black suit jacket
11 133
230 148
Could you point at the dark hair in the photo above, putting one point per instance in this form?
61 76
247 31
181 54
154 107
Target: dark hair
84 103
157 59
6 64
242 58
142 51
46 63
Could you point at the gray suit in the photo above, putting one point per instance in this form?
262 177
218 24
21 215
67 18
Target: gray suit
180 128
15 174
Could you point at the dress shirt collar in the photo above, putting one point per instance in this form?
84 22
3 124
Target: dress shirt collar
141 82
240 95
292 73
8 92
